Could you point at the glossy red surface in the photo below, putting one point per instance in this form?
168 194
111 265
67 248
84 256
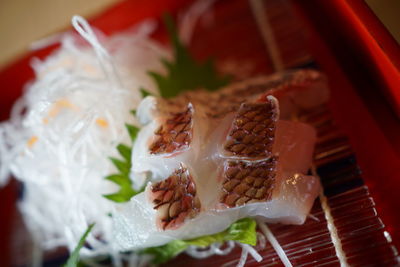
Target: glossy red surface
380 49
360 77
354 64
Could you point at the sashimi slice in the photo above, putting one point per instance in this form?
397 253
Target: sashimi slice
211 159
175 199
167 139
290 202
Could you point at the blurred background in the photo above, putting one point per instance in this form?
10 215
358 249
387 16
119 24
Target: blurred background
25 21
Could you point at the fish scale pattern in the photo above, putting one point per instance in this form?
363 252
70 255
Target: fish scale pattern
249 171
252 131
175 199
175 133
247 182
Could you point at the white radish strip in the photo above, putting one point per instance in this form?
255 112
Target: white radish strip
257 7
261 240
243 258
191 17
313 217
105 61
45 42
200 253
226 250
252 252
337 243
194 252
37 255
271 238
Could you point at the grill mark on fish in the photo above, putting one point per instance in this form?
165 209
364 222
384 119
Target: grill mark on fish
175 134
252 131
245 182
175 199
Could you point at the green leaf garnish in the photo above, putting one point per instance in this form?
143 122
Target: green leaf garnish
132 130
73 259
122 165
184 73
166 252
125 151
125 192
243 231
144 92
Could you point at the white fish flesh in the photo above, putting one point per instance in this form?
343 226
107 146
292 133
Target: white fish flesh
211 159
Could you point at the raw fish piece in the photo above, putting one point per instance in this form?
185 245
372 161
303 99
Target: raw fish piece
210 163
293 195
175 199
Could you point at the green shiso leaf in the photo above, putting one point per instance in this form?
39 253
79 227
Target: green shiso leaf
132 130
73 259
243 231
184 73
144 92
125 151
125 192
166 252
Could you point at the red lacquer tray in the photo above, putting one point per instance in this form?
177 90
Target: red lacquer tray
367 168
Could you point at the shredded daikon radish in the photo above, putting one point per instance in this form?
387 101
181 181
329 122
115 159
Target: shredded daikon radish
65 126
251 251
243 258
214 249
261 242
274 243
227 250
337 243
313 217
191 16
